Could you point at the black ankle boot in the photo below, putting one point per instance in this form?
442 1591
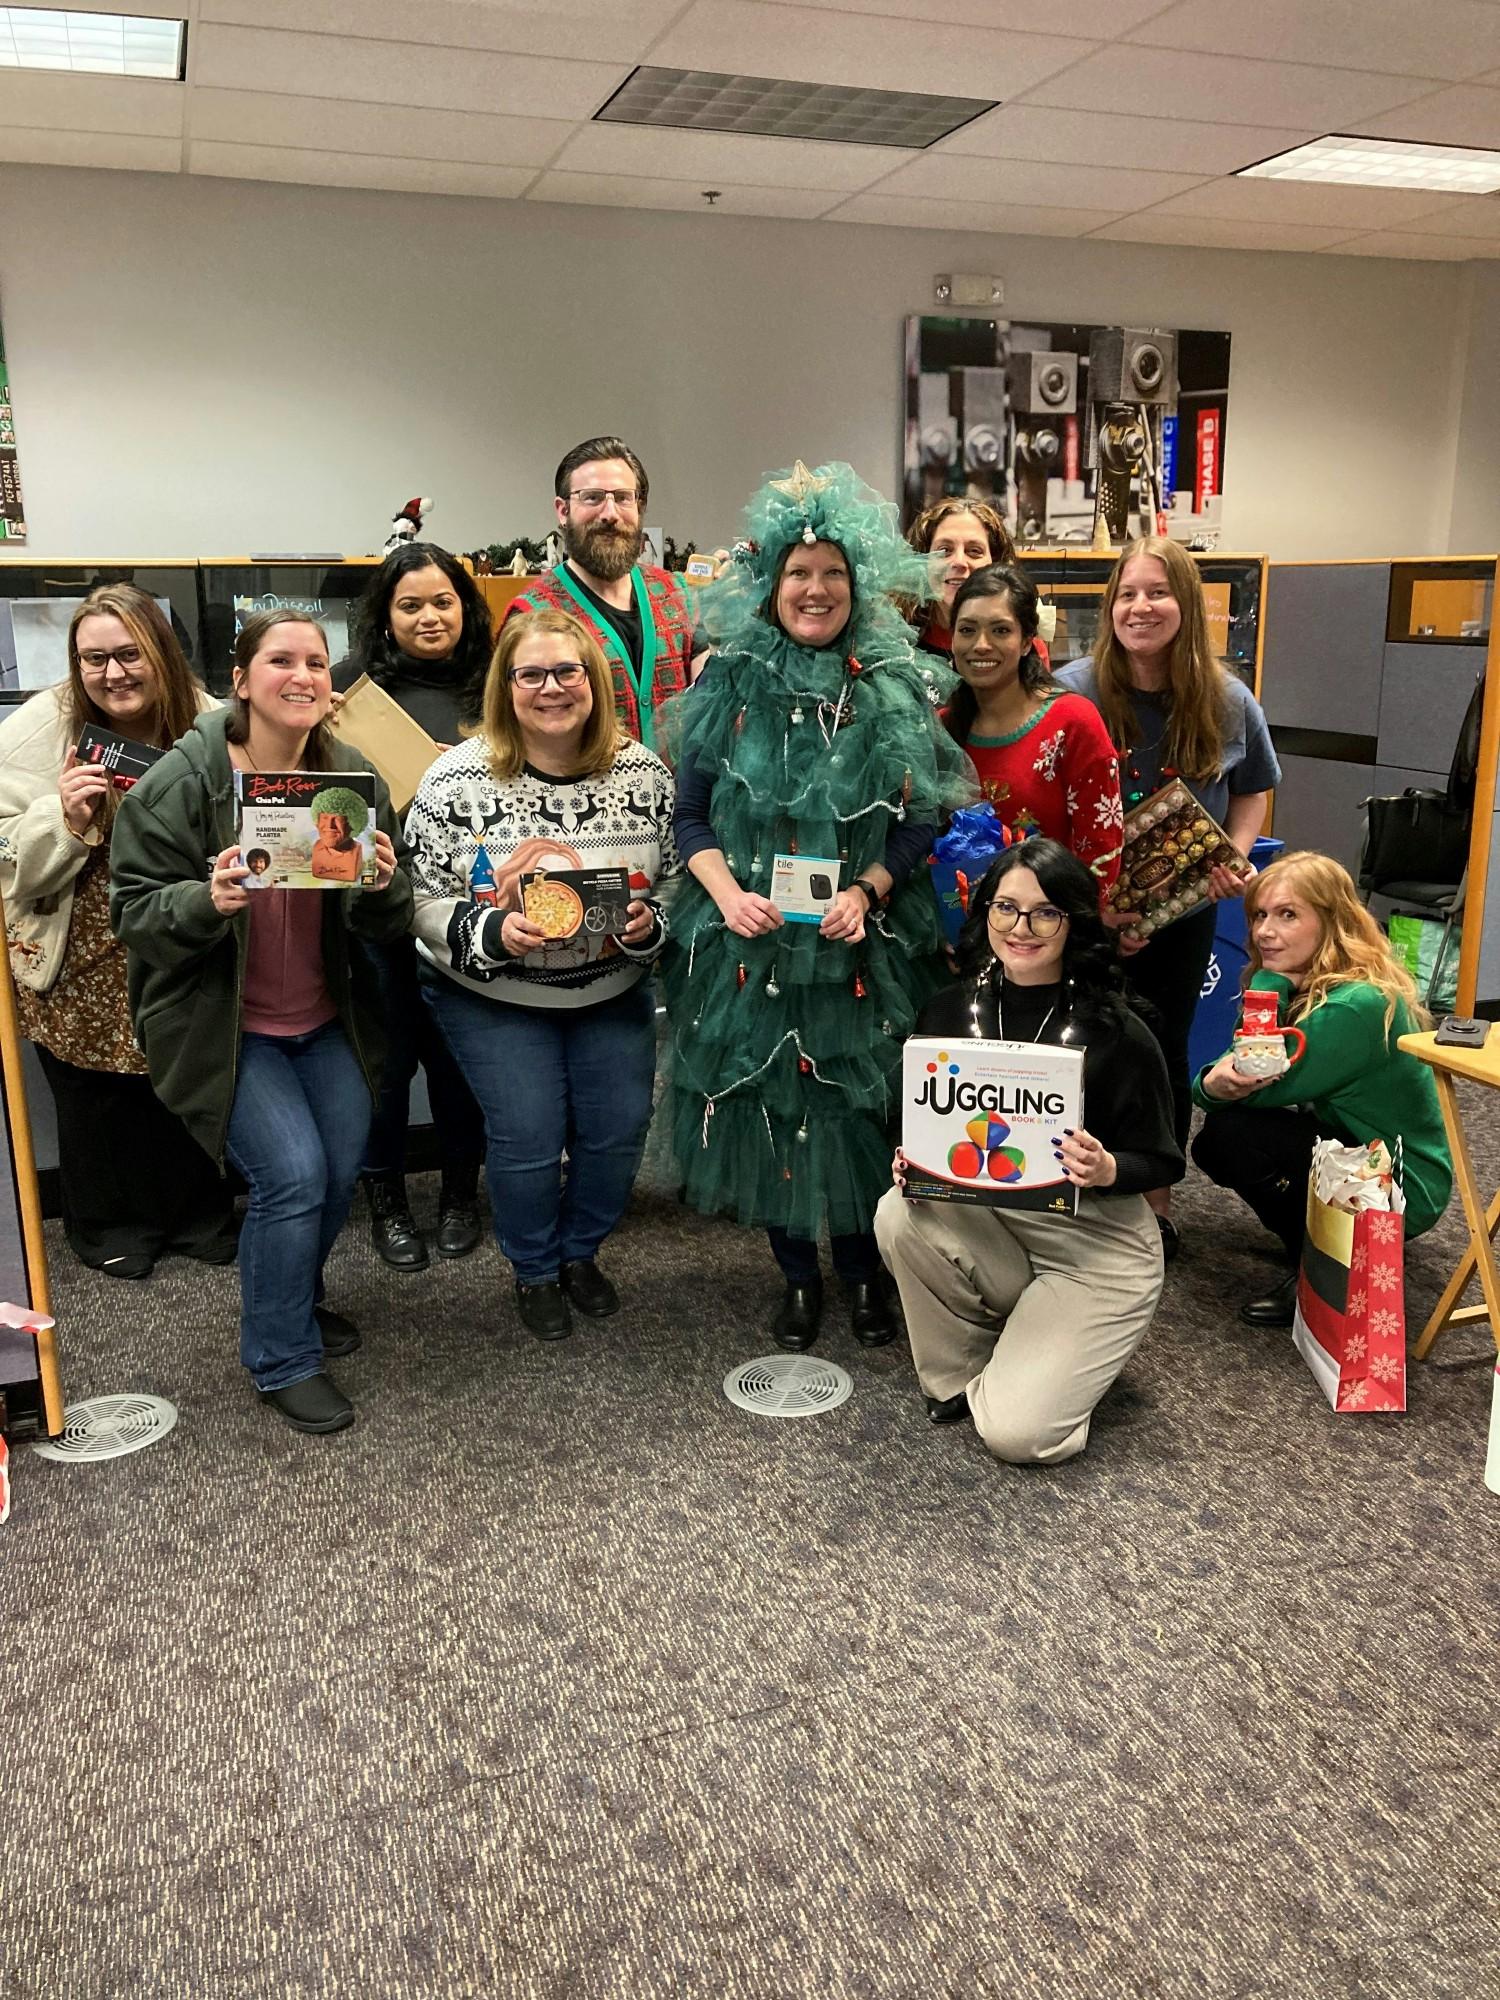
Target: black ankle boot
795 1326
870 1318
392 1229
458 1229
1278 1308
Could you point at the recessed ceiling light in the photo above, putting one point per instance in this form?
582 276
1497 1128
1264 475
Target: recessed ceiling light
700 100
1384 163
91 44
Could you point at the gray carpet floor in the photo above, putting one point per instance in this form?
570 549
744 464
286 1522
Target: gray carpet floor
558 1676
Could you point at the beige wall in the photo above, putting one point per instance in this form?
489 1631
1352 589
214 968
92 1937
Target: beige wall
205 366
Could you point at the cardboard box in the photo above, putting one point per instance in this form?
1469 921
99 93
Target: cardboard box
803 886
381 730
307 829
978 1120
1170 845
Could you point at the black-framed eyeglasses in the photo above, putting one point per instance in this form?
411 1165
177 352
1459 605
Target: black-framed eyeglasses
567 674
1045 920
595 496
96 659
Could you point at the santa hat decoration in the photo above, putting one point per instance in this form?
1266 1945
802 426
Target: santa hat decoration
407 525
413 512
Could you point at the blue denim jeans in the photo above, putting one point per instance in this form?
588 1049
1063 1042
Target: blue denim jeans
297 1133
550 1080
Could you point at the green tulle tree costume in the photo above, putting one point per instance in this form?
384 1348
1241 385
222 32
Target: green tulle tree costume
787 1048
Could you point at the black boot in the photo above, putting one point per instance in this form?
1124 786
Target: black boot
1278 1308
870 1317
392 1229
795 1326
458 1214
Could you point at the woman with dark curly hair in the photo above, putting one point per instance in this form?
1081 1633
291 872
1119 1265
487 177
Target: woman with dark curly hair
1020 1318
421 631
958 536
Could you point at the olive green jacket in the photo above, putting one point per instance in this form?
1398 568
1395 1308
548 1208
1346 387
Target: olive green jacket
185 964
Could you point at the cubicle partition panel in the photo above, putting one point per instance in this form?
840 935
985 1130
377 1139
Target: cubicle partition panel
1368 671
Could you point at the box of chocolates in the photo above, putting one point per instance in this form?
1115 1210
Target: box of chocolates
1171 845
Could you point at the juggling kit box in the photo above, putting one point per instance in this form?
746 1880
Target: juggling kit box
979 1119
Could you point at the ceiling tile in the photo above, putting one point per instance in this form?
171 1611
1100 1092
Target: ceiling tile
711 158
256 118
766 38
1164 83
158 10
310 169
1314 202
37 147
1109 139
897 211
387 73
1465 117
641 191
1090 20
91 103
1204 233
606 30
1396 243
1439 38
1112 190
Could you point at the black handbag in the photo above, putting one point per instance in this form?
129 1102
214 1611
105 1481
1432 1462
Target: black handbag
1415 836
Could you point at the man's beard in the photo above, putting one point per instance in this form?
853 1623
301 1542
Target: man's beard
605 552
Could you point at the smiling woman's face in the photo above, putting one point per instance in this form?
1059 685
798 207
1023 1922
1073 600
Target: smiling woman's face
814 595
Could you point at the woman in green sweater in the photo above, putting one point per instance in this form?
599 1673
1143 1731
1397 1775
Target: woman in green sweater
1315 945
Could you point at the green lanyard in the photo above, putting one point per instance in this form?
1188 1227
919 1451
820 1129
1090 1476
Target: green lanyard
615 648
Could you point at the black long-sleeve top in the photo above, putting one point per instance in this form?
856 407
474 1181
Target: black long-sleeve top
1127 1100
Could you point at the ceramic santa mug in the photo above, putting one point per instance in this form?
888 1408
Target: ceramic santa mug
1265 1054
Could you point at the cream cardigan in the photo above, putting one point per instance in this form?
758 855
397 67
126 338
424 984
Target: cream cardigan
39 858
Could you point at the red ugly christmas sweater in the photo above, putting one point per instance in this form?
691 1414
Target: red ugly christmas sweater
1058 775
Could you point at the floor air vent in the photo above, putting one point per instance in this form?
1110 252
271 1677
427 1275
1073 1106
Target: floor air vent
787 1385
108 1427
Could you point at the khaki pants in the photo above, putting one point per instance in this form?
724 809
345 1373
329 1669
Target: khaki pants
1034 1315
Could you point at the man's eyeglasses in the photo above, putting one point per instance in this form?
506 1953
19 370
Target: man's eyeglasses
1044 921
567 674
595 496
94 661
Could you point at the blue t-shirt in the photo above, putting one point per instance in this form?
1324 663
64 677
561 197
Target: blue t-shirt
1249 760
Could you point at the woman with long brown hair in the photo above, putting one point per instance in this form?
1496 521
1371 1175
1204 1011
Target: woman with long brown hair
134 1185
1315 946
257 1017
1173 711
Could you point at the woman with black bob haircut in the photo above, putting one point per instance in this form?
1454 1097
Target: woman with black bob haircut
1020 1318
421 631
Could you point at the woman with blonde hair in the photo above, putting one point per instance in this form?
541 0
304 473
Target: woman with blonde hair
1315 946
1173 711
135 1186
553 1024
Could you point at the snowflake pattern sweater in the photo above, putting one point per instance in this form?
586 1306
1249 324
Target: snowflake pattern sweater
620 818
1057 775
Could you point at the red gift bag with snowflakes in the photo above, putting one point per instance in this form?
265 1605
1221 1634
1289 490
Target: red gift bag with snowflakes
1350 1326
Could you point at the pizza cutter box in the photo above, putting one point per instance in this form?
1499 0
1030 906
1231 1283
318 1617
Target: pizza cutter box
602 896
380 729
1162 878
978 1119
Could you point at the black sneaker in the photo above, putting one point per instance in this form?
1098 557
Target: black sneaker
340 1335
589 1289
544 1310
393 1230
313 1404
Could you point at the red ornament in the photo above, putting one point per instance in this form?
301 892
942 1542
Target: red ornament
804 1066
860 989
854 666
739 976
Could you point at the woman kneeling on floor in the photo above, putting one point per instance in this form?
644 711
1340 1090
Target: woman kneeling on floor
555 1028
256 1018
1315 945
1020 1318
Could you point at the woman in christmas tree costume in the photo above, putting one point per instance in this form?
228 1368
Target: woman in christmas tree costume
810 733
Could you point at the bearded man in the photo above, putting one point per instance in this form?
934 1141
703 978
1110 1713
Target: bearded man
638 614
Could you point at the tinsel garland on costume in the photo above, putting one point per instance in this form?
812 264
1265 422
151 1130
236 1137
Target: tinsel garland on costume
786 1048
